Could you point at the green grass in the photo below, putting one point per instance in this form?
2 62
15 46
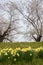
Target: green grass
22 45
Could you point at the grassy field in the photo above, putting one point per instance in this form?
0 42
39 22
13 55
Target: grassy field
36 61
21 45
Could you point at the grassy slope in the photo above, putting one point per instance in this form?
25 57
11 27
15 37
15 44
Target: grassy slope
21 44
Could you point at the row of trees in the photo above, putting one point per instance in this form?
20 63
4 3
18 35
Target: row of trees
33 21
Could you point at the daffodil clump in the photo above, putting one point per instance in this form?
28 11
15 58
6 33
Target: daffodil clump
19 54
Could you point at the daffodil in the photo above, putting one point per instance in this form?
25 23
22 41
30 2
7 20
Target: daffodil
17 54
10 49
30 54
14 59
6 53
1 50
8 57
29 48
38 49
17 49
24 49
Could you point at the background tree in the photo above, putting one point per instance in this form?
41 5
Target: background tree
34 19
7 23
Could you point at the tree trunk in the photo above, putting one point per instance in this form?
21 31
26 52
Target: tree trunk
38 38
1 38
